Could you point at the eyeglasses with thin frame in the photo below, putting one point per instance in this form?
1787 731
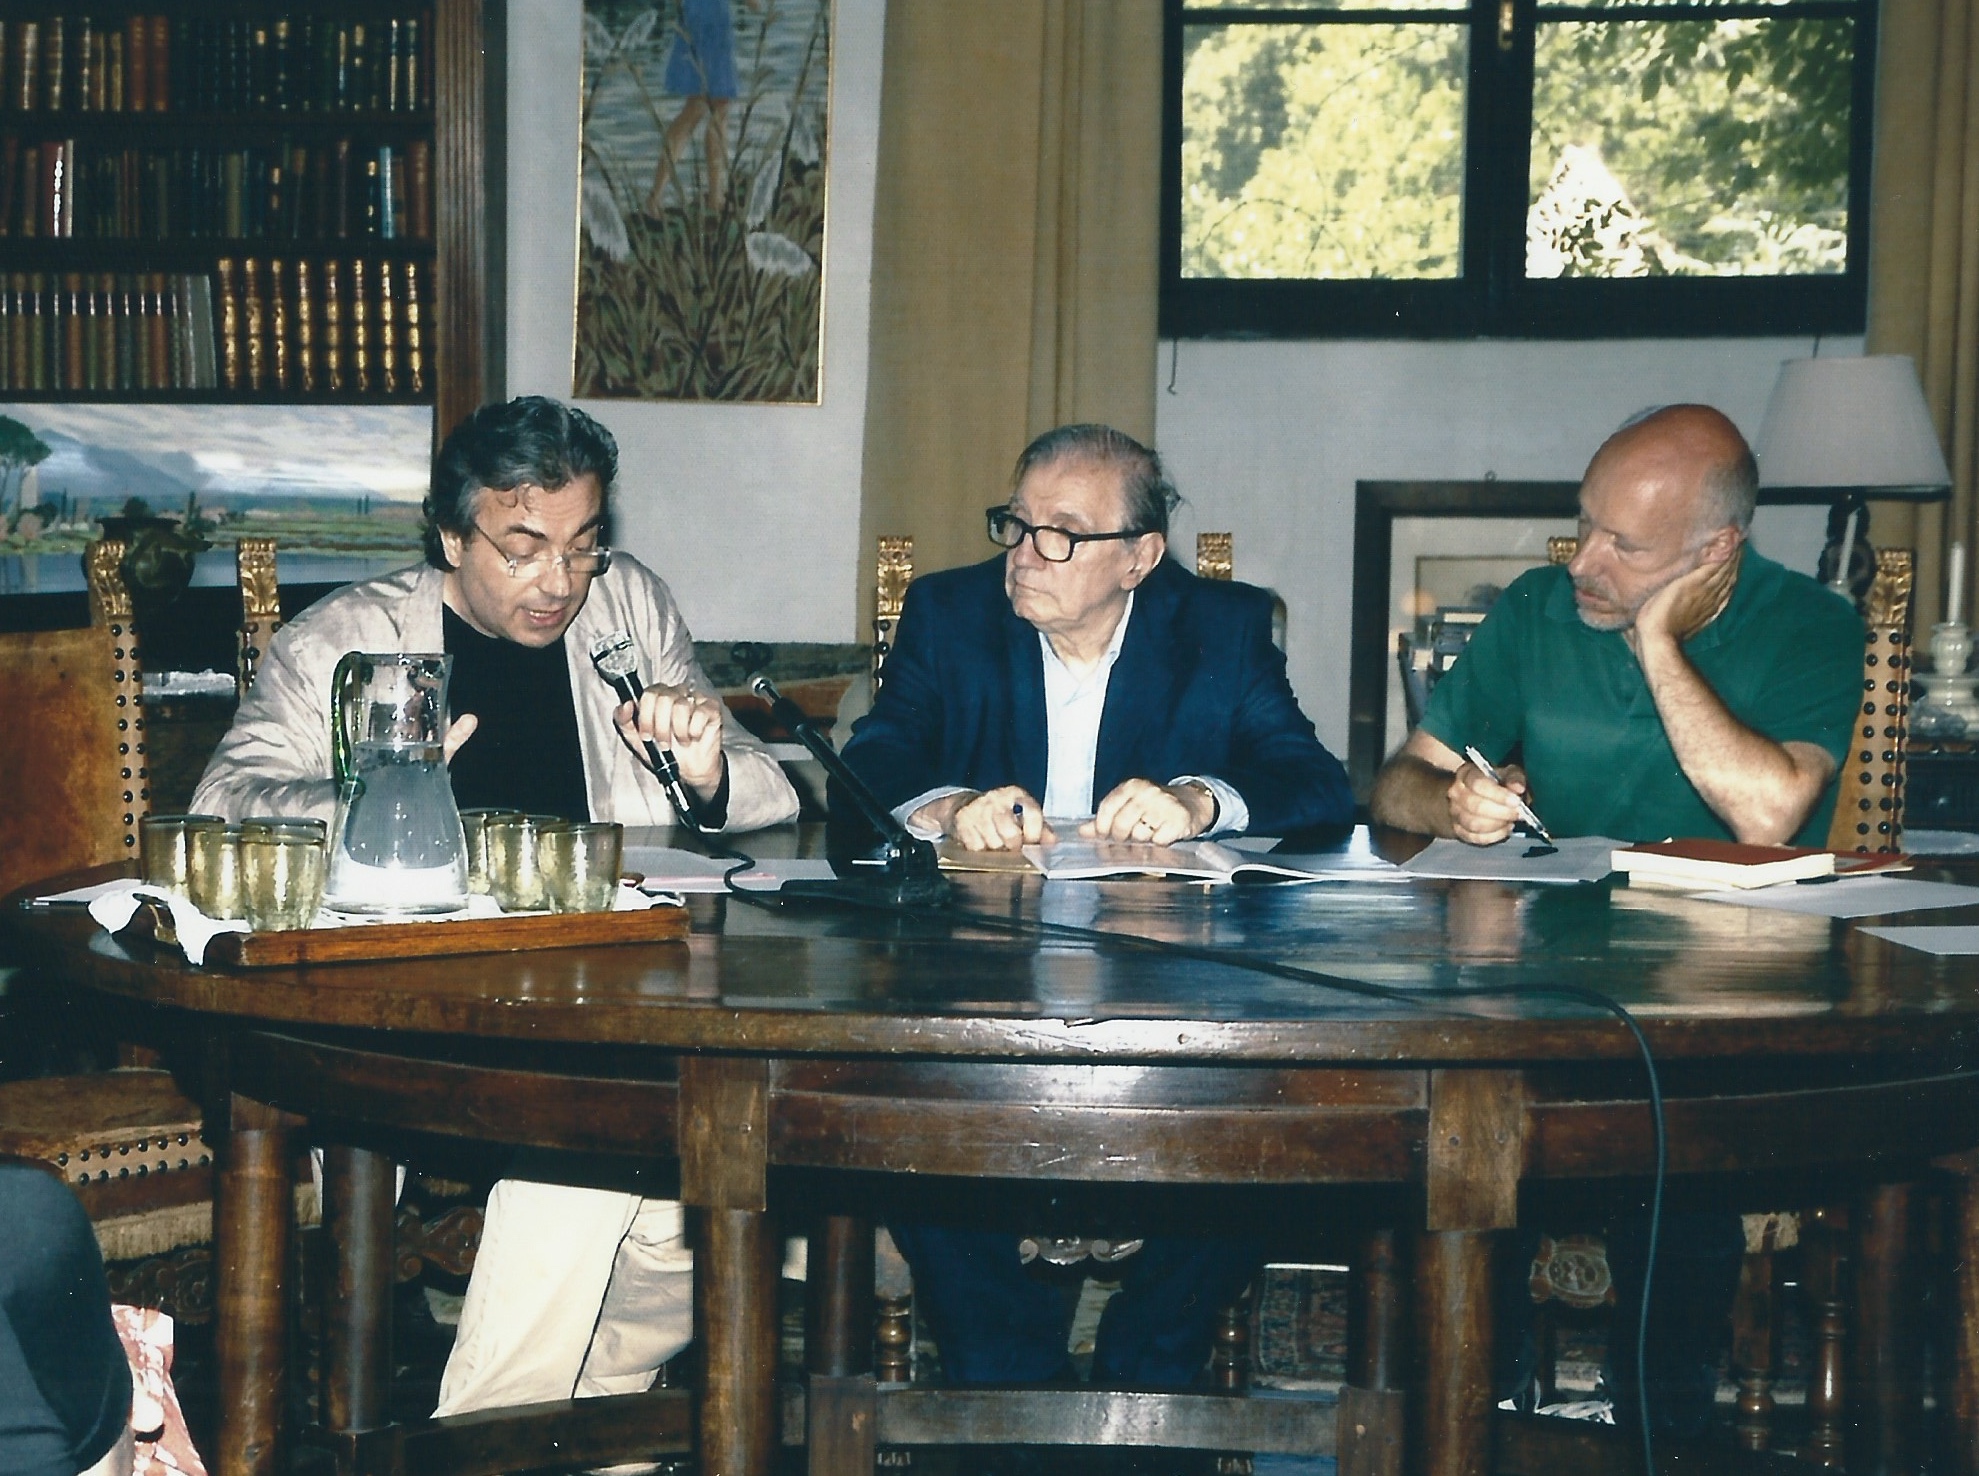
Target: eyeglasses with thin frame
1054 545
587 562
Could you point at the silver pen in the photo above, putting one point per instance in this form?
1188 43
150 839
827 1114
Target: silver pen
1484 767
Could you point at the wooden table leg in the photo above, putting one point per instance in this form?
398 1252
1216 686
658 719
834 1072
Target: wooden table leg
841 1413
1886 1374
735 1307
724 1161
254 1217
358 1210
1962 1442
1372 1403
1454 1325
1474 1150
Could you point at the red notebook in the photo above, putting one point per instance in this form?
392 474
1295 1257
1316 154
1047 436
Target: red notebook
1716 863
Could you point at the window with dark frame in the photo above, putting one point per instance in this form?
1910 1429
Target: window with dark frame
1516 168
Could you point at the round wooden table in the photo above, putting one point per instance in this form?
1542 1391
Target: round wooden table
846 1041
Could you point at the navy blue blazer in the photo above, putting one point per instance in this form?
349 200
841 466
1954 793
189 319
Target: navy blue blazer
1198 689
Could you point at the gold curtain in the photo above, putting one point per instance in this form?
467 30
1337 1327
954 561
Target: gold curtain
1015 242
1924 258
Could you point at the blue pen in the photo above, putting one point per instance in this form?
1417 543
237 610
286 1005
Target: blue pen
1483 766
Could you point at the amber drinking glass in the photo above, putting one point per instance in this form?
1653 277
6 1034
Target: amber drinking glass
580 865
281 880
213 870
515 872
165 845
474 825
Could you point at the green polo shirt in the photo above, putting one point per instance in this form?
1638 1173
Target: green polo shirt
1785 657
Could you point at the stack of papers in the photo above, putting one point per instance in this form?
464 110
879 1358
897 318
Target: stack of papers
1206 861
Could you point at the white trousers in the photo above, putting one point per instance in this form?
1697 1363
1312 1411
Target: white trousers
575 1292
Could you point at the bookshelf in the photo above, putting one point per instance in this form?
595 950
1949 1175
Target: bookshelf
214 201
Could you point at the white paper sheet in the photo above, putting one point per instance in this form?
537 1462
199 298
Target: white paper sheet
85 895
1850 896
1944 941
1580 858
668 869
1347 866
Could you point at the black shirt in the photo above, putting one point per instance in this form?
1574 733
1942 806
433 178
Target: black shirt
525 754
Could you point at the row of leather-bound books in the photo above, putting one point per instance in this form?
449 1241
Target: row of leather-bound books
278 192
274 63
106 331
255 326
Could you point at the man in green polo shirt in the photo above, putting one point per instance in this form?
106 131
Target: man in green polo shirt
1669 682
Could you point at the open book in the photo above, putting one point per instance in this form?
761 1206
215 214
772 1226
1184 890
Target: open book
1208 861
1701 864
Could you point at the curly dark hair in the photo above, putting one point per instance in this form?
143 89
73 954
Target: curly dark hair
531 441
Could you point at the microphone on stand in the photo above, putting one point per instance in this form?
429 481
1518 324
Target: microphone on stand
616 659
909 871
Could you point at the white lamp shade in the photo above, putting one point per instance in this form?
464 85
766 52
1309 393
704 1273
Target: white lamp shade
1851 424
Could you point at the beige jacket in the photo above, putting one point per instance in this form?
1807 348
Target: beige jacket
275 760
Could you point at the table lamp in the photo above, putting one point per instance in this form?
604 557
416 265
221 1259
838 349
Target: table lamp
1841 431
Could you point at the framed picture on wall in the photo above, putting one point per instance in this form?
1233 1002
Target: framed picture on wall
701 238
338 487
1421 548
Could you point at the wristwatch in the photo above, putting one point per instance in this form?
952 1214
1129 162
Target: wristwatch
1215 804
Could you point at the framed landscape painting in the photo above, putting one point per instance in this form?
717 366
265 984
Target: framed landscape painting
701 238
337 486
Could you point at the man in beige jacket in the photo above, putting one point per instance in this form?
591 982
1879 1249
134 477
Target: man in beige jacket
576 1291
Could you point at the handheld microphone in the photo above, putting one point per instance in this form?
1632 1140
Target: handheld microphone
616 659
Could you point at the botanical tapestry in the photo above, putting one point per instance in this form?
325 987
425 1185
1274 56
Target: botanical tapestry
700 257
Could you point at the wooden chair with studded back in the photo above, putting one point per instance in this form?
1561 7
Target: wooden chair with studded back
128 1141
1868 817
261 606
1216 559
893 571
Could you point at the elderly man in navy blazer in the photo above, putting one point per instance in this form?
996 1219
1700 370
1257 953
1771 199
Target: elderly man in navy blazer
1083 680
1085 676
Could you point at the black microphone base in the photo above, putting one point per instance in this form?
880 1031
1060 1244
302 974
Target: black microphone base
901 873
873 891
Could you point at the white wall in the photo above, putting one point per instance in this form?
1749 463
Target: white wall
1268 439
750 512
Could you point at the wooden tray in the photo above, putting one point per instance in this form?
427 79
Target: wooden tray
365 942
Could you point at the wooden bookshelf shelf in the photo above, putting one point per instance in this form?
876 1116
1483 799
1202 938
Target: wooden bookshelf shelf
205 397
112 254
226 130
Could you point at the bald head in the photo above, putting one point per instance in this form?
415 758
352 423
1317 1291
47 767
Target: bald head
1668 492
1689 462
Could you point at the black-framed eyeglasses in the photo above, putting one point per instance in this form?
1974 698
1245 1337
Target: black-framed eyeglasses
587 562
1054 545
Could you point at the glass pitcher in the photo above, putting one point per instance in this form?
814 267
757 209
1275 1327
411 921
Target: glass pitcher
396 844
